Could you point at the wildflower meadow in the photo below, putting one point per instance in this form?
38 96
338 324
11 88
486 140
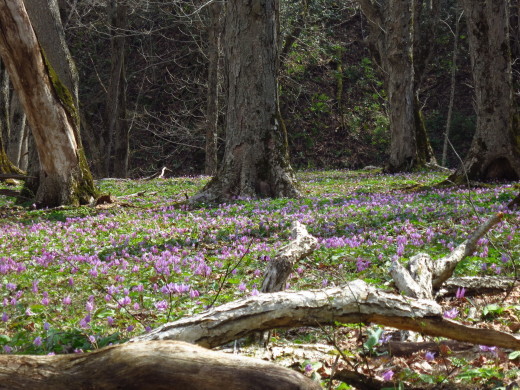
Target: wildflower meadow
76 279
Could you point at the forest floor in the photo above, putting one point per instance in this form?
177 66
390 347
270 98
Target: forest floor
78 279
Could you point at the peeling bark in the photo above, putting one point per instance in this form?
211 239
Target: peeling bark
423 275
281 266
354 302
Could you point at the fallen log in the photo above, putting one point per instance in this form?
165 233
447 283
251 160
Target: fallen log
355 302
477 285
423 276
148 365
281 266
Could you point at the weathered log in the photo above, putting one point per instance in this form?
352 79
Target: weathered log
443 268
147 365
423 276
477 285
281 266
355 302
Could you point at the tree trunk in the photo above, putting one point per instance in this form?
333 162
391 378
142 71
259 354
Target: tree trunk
400 76
49 105
5 102
116 136
17 147
425 22
214 33
495 150
391 42
452 86
148 366
6 164
255 158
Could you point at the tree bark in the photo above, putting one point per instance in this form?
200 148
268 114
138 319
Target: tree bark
147 366
354 302
423 276
65 177
425 23
452 86
7 166
255 160
212 105
495 150
392 42
281 266
17 146
400 76
116 135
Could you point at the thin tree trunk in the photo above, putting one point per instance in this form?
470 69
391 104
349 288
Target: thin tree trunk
117 132
452 87
49 106
17 145
425 23
6 164
212 108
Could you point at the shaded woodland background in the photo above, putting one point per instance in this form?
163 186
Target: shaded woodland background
331 92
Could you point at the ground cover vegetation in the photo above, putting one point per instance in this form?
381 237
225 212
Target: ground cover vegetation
78 279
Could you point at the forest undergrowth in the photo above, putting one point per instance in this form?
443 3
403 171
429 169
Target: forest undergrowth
77 279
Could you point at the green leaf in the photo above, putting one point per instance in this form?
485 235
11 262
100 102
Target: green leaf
514 355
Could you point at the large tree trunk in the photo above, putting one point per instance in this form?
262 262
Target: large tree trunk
255 158
116 136
391 42
49 105
495 150
400 86
214 35
148 366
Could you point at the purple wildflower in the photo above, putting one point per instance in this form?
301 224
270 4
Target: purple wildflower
451 314
161 305
388 375
37 341
429 356
460 293
485 348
